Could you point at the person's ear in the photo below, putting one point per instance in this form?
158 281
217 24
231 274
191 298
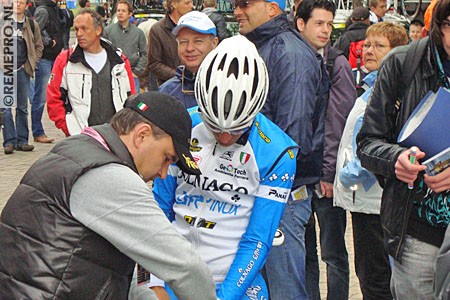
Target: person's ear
142 132
215 42
274 9
300 24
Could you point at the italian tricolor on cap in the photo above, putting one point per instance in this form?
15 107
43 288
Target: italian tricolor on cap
142 106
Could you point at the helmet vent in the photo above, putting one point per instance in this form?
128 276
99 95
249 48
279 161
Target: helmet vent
233 68
227 104
209 71
214 102
222 63
246 68
255 79
241 105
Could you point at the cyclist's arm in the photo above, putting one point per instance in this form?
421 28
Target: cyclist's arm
164 192
257 239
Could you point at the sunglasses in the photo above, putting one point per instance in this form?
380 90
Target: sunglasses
242 3
218 130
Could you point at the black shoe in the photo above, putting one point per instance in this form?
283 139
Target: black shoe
25 147
8 149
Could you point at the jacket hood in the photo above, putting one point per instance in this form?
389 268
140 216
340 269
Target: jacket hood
269 29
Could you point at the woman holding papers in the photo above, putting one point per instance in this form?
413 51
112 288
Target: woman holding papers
414 220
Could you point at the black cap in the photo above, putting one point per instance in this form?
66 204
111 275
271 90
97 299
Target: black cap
360 13
170 115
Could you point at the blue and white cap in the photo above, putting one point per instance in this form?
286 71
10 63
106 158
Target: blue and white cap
197 21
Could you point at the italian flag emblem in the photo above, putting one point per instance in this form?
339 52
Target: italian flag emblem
142 106
244 157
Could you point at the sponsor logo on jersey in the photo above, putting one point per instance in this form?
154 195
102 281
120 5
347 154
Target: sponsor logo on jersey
227 155
194 146
208 184
235 198
232 171
291 154
244 157
253 291
202 223
278 195
262 134
273 177
245 272
214 205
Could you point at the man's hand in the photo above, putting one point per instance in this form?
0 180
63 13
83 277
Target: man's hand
440 182
53 43
327 189
160 292
406 171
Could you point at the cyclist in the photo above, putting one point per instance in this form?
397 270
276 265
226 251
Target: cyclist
231 212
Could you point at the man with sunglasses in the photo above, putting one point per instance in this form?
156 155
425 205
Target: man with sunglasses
196 37
296 103
231 212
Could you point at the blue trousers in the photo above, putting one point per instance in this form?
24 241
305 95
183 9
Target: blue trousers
42 75
17 134
332 224
284 270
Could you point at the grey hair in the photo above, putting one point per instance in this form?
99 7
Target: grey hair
96 18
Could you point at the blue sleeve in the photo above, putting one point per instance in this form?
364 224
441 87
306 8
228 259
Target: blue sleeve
257 239
164 192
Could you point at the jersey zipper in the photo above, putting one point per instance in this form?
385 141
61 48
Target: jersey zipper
203 205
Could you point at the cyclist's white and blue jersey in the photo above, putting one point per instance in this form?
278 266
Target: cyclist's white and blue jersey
231 212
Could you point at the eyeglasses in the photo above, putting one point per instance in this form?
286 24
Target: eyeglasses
218 130
375 46
242 3
183 90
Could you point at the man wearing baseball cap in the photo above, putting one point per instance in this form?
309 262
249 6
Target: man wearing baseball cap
86 205
196 37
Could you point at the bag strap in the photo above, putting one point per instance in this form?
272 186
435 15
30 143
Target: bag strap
412 61
31 23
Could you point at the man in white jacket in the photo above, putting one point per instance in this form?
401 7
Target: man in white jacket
90 83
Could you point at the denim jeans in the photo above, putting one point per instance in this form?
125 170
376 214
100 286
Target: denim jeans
332 224
137 85
284 270
371 259
17 134
42 74
413 278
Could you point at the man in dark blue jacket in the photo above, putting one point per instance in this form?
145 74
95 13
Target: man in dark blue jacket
314 20
196 37
295 102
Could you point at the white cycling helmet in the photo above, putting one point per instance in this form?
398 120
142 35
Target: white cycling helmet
231 85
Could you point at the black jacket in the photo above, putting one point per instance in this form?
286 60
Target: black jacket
45 252
48 16
377 141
